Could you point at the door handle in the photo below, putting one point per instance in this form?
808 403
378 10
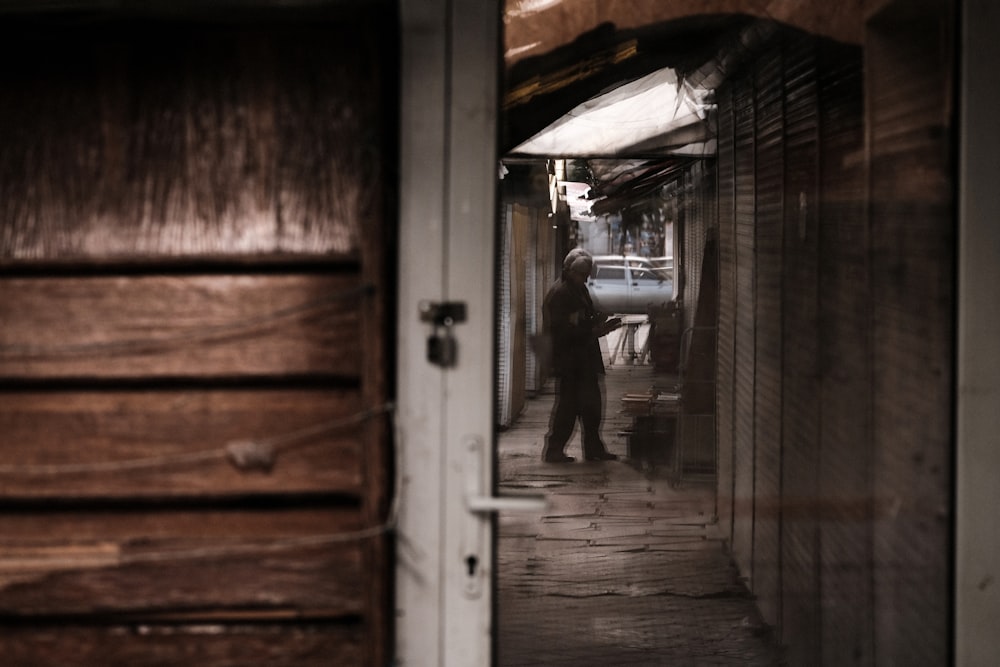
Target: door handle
474 543
485 504
479 503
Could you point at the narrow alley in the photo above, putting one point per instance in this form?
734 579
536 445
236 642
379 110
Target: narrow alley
624 567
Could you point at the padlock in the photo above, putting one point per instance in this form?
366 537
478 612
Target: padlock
442 349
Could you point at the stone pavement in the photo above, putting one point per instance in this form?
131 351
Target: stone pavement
622 568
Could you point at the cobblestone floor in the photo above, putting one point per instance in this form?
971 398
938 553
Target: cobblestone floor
623 567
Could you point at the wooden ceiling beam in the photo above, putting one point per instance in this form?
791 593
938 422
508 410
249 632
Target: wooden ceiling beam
533 28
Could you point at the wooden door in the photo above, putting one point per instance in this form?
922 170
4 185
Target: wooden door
194 431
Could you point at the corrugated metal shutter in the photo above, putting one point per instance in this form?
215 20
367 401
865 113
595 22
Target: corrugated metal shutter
699 195
533 313
694 239
845 439
744 357
837 343
516 267
522 238
504 316
696 425
727 310
800 351
769 226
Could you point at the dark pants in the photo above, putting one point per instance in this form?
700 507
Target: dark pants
578 396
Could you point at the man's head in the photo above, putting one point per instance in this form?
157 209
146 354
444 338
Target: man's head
577 265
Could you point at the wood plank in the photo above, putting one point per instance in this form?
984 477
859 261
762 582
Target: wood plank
179 326
152 524
205 645
277 561
173 443
129 141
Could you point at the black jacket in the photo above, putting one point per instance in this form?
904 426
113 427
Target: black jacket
569 319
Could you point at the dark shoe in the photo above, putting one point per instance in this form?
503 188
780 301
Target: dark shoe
557 458
603 456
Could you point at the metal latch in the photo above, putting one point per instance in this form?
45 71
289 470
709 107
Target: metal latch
442 349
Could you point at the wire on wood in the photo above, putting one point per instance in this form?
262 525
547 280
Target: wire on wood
204 334
243 454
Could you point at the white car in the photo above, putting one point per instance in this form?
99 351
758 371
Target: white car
662 262
662 265
628 289
631 260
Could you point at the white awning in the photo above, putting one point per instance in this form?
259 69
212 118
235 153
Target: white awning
653 115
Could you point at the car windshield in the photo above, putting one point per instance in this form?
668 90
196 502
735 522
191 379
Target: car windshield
608 272
648 276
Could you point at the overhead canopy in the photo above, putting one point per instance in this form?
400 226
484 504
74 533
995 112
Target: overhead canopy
635 104
620 184
591 79
657 114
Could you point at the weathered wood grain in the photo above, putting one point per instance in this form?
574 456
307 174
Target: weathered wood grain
137 147
172 443
151 141
179 326
280 561
293 581
204 645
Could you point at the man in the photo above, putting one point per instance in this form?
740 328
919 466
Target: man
573 327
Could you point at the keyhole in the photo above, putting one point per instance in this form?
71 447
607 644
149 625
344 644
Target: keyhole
471 562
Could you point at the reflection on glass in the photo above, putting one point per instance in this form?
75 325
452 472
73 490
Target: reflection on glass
781 404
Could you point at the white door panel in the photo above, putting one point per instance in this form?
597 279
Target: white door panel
445 430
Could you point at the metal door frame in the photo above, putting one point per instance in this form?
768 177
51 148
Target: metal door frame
977 538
